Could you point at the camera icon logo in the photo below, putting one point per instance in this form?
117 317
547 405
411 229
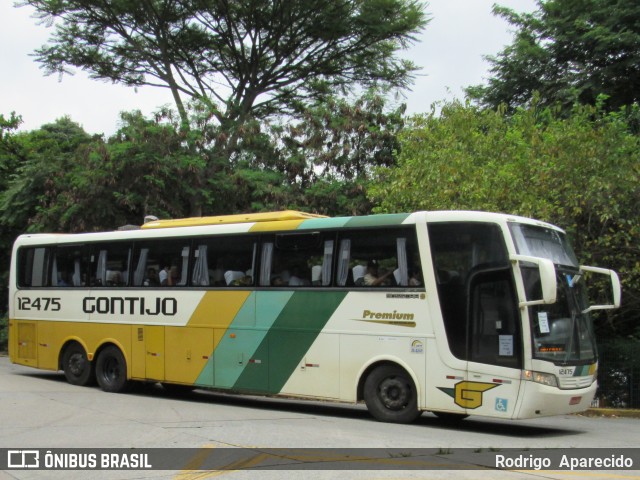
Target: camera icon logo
23 459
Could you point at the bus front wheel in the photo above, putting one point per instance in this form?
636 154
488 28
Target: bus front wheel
390 395
78 370
111 370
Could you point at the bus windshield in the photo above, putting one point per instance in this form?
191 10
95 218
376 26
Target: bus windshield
544 243
560 332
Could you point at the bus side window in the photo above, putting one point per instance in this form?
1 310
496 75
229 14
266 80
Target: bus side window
386 258
69 266
33 266
296 260
110 265
161 263
224 261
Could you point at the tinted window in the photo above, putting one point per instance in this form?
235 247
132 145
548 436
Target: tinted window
70 267
161 263
470 260
224 261
297 260
110 265
33 266
379 258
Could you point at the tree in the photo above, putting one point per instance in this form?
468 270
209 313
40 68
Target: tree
244 60
569 51
41 158
579 172
9 161
63 180
319 163
332 151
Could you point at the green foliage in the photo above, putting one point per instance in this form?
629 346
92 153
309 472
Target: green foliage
242 62
569 51
619 373
4 333
68 181
10 156
330 154
581 173
42 160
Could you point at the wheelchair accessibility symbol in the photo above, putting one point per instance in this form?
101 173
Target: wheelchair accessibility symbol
501 404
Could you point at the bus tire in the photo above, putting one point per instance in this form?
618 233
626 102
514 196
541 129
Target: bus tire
111 370
77 368
390 395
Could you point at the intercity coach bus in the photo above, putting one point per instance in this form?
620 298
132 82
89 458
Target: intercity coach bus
455 313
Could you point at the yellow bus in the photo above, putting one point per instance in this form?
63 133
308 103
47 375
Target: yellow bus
455 313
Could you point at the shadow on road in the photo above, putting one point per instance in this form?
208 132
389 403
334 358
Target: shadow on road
506 428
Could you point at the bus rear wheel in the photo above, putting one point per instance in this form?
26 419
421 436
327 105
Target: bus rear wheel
390 395
78 370
111 370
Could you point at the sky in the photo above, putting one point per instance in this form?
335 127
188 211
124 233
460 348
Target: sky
450 52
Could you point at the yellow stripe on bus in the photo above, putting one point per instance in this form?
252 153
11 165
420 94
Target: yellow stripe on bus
273 226
218 308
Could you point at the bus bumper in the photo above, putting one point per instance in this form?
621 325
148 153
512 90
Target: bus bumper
537 400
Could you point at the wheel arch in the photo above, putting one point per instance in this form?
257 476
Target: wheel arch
67 343
113 342
391 361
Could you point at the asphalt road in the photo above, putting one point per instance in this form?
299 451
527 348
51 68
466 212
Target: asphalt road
40 410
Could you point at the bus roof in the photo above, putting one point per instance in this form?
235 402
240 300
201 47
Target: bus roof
285 215
283 221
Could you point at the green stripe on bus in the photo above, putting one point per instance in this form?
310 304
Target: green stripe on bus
377 220
340 222
290 337
241 341
244 316
318 223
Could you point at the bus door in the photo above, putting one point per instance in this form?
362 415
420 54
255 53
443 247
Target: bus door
481 318
494 342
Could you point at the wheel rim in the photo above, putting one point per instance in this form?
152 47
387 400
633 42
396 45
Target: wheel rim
77 364
394 393
111 371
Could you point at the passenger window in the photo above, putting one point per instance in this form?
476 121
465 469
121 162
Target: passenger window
33 266
69 266
161 263
224 261
296 260
385 258
110 265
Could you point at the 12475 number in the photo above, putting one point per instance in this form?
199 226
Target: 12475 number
45 304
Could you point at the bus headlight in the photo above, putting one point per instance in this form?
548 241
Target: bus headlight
548 379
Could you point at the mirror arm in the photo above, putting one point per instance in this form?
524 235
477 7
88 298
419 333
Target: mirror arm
615 286
547 277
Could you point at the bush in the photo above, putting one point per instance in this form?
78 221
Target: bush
4 333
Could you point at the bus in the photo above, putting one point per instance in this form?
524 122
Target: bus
454 312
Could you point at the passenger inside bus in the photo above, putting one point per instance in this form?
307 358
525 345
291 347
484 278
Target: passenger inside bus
152 279
373 278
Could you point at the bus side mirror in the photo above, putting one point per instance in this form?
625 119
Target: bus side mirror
548 281
615 287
